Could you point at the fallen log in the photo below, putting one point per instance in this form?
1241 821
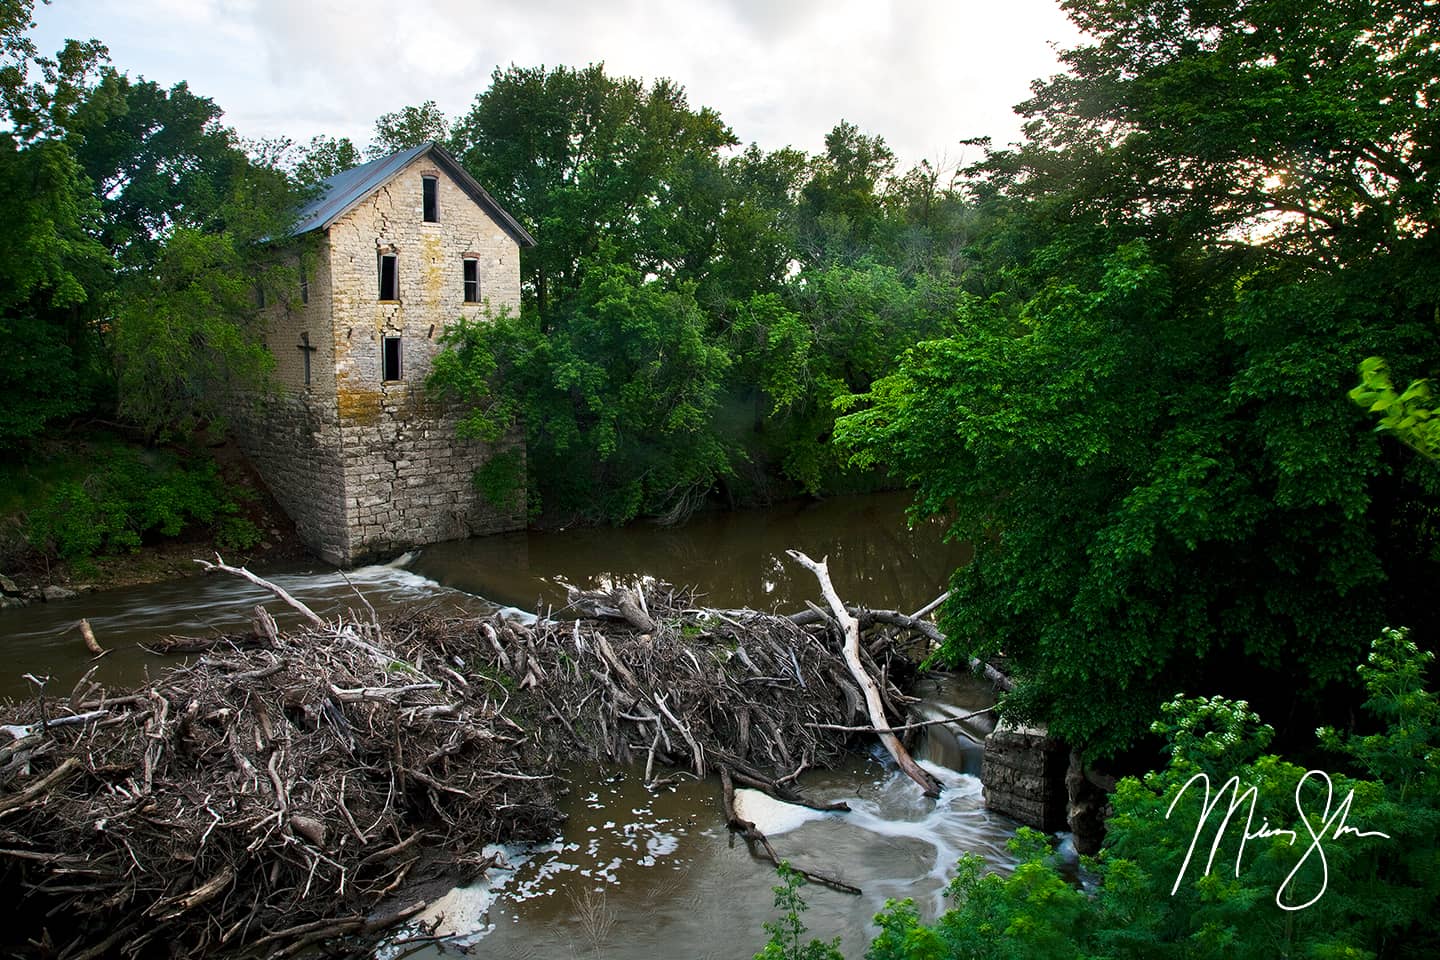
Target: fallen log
914 622
91 643
850 628
752 833
221 566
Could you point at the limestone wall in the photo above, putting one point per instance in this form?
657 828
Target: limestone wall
293 439
430 260
294 321
408 478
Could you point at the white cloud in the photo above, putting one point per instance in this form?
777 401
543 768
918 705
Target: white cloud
922 73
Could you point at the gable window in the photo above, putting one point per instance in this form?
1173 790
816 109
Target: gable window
431 189
472 280
389 277
390 359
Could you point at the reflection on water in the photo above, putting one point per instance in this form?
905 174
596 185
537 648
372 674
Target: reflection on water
734 559
641 875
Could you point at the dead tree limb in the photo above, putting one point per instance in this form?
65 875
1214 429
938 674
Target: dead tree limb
91 643
911 622
749 831
851 629
905 728
279 591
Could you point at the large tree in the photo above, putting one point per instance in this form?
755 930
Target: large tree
582 157
1142 422
52 280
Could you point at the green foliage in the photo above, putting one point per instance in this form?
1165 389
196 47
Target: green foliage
1409 415
134 221
584 159
615 404
115 497
405 128
49 288
501 479
186 333
323 157
1379 892
1207 734
787 934
1139 416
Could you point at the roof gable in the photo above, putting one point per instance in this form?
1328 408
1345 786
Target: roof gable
340 193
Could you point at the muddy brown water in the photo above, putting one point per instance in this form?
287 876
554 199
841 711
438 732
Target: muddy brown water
635 873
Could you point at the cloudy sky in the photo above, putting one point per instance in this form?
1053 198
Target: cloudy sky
922 73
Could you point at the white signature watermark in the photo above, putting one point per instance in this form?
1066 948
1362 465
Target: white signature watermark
1332 826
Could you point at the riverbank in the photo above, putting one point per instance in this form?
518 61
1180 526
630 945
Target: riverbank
66 483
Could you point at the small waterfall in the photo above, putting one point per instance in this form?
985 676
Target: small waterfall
954 746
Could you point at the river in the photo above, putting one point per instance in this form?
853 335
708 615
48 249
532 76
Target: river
634 874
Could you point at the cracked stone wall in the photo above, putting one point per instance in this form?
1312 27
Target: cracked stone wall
366 467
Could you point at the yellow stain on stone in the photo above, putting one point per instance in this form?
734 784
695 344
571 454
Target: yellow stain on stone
359 406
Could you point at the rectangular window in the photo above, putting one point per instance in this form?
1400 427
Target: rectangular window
389 281
472 280
305 351
432 200
304 284
390 359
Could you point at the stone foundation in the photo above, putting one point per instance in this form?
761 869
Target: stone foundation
410 481
1023 773
294 443
363 489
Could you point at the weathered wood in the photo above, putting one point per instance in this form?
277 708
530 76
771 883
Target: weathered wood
851 630
915 622
40 787
91 643
749 831
904 728
280 592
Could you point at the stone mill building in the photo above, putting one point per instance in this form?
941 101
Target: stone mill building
387 255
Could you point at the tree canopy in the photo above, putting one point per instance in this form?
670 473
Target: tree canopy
1140 415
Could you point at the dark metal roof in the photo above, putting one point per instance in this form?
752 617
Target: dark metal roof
338 194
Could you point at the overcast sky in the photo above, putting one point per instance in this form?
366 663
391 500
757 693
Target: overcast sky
924 74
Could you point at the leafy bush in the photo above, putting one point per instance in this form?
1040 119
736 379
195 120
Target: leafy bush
125 494
787 934
1155 897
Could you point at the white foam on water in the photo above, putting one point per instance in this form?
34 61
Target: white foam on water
951 826
462 914
771 816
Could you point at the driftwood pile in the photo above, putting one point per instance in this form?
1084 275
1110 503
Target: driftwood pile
260 800
292 788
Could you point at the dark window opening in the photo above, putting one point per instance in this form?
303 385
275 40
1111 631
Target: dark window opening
260 296
432 199
305 351
390 359
472 280
389 281
304 285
